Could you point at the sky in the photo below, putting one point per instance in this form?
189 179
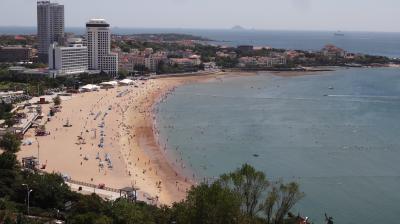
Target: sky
344 15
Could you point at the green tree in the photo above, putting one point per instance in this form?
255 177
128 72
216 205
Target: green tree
90 203
9 174
8 220
280 201
90 217
209 204
91 209
125 212
289 195
5 114
234 198
37 65
57 100
9 121
270 204
226 62
10 143
8 161
49 190
122 74
5 110
250 184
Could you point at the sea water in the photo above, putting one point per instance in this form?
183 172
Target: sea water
375 43
335 133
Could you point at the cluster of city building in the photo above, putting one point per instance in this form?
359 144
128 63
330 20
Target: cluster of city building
70 56
91 53
137 60
261 61
245 59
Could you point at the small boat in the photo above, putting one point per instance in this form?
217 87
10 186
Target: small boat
331 87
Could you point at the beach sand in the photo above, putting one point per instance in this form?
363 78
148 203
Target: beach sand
124 118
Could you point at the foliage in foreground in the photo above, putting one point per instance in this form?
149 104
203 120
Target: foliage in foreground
57 101
10 143
243 196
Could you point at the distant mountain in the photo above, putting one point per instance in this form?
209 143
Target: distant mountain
237 27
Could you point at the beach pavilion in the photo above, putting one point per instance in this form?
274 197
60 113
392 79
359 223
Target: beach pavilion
126 82
89 88
110 84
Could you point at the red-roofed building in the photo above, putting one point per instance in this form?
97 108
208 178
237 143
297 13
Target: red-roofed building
18 37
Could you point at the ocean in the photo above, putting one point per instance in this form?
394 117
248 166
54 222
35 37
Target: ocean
375 43
335 133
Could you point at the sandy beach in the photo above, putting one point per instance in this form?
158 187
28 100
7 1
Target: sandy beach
112 140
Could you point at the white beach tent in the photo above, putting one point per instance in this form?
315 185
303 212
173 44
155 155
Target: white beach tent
109 84
89 88
126 82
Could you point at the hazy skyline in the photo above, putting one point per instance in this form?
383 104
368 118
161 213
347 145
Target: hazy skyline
346 15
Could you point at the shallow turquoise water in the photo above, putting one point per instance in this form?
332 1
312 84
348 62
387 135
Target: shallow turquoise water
342 144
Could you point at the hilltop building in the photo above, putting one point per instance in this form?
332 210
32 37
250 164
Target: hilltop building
50 27
98 40
332 52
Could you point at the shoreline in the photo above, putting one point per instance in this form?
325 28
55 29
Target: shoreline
131 138
125 125
151 140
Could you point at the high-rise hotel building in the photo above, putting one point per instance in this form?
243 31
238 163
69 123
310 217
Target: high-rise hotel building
98 40
68 60
50 26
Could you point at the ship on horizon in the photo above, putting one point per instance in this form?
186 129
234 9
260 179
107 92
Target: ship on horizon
339 34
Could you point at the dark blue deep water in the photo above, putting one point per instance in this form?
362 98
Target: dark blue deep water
336 133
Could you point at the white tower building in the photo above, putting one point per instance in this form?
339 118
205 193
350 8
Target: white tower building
50 26
98 40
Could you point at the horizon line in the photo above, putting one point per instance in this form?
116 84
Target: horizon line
216 29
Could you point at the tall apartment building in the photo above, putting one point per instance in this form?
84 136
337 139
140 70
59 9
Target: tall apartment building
68 60
98 40
50 26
